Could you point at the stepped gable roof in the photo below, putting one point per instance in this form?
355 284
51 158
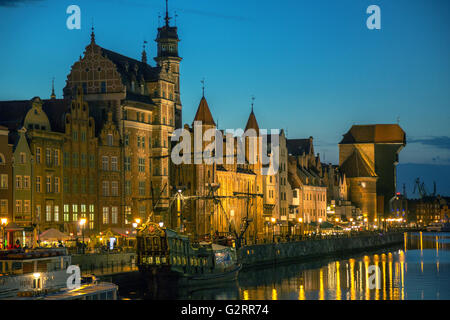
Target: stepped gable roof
204 114
298 147
355 166
13 113
252 123
376 133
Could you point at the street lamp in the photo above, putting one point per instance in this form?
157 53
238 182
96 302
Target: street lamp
320 222
273 228
300 220
4 222
82 223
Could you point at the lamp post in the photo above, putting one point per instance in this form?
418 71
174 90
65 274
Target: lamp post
300 220
273 220
320 222
82 223
4 222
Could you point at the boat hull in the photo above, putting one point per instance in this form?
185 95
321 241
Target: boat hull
164 277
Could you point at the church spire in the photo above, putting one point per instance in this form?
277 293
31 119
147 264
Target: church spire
53 95
92 33
167 18
144 54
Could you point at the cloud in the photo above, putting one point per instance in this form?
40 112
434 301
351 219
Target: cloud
16 3
442 142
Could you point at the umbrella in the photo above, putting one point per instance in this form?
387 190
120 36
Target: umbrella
53 235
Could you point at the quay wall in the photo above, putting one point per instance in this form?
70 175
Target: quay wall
268 254
105 263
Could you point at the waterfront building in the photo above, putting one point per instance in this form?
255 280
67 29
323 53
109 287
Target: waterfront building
203 216
6 175
368 155
310 191
428 209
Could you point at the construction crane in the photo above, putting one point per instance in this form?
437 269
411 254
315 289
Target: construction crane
422 190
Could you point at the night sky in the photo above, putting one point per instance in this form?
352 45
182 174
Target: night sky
313 66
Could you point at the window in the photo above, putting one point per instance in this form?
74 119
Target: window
26 206
4 181
141 165
75 136
128 187
75 160
18 182
23 158
91 186
91 161
83 160
74 184
83 136
114 163
110 139
38 212
66 184
38 155
127 164
105 188
114 188
105 215
57 184
48 212
103 89
3 206
56 210
66 213
66 159
18 206
126 140
83 185
114 215
143 142
142 188
139 142
49 184
56 157
105 163
74 212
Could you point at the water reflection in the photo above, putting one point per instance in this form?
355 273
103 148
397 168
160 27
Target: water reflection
417 269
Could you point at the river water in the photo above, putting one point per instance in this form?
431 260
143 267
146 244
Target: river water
417 270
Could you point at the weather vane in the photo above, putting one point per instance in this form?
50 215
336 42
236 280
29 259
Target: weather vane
203 86
253 101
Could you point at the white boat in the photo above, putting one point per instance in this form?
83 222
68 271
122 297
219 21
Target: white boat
42 274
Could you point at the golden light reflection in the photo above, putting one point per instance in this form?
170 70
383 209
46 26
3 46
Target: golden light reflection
245 294
402 270
352 279
421 244
406 240
274 294
383 263
437 247
338 281
321 289
301 293
391 293
366 268
377 275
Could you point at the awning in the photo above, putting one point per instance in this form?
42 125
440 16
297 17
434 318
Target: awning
53 235
12 226
116 232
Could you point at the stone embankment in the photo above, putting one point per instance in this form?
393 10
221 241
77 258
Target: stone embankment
276 253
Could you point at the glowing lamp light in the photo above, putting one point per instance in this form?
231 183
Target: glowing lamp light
4 221
320 220
300 220
135 225
161 224
137 220
36 275
337 219
273 219
82 221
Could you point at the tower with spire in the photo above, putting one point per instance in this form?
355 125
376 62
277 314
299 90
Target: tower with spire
53 95
168 59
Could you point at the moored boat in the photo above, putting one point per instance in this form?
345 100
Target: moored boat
167 258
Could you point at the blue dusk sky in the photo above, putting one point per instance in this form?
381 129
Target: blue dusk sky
314 67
